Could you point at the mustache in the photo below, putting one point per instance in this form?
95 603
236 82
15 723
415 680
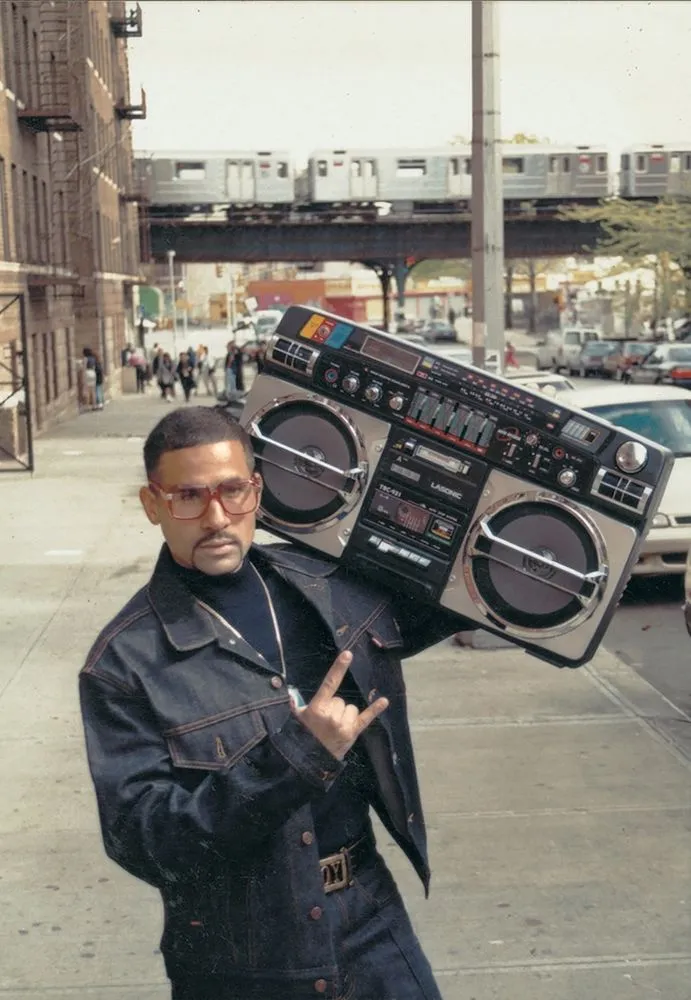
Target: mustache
216 536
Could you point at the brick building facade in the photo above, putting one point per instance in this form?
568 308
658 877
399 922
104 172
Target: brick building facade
69 227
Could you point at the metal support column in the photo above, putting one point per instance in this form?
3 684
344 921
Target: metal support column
385 272
487 210
401 270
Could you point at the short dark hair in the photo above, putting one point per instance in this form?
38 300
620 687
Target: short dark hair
191 426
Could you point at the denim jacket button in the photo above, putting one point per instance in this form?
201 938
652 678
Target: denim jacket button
372 695
316 913
320 985
307 837
276 682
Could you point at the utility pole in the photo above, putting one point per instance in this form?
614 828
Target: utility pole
487 207
173 307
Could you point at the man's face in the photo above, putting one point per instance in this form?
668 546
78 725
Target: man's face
217 542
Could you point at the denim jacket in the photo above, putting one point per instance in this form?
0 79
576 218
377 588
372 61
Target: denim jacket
204 778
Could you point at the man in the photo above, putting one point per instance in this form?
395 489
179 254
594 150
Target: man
242 714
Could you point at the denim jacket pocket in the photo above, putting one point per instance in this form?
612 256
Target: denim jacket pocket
385 634
217 742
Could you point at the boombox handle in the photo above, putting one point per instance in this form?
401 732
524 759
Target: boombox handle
354 475
595 579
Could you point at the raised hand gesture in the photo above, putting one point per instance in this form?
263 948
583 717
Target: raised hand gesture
335 723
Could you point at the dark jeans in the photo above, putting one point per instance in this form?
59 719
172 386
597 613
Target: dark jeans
380 955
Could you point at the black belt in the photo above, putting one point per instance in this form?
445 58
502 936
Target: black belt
338 869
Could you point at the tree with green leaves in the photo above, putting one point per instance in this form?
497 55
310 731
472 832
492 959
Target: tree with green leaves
636 230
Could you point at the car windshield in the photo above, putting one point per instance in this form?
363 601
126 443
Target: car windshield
665 421
598 347
679 354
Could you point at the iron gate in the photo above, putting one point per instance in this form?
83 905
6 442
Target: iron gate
16 440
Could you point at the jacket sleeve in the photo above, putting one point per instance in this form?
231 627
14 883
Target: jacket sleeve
158 822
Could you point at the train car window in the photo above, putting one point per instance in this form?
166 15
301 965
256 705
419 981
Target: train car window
513 165
355 168
455 166
641 163
282 169
190 171
322 168
674 163
625 161
565 165
468 166
554 164
411 168
370 168
601 164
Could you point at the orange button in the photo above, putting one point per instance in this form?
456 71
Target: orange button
320 985
307 837
276 682
316 912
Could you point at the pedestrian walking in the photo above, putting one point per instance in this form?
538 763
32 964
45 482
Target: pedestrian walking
230 370
510 359
185 374
206 368
243 714
165 375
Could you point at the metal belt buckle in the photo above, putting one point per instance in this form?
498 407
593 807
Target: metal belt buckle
336 871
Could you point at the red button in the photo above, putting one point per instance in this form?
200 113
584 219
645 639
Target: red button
320 985
276 682
307 837
316 912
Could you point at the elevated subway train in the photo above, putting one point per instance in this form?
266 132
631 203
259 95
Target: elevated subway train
398 181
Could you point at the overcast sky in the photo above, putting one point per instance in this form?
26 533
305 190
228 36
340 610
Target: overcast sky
299 76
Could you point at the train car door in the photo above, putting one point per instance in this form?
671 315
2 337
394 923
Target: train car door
453 173
240 180
559 174
363 179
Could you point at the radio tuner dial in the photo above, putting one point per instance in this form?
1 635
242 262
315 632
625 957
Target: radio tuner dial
351 383
396 402
567 477
531 440
373 393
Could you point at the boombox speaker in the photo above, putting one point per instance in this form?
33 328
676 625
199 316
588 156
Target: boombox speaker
520 514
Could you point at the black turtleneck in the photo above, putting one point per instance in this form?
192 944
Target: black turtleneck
341 816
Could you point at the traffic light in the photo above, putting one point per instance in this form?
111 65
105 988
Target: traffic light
219 270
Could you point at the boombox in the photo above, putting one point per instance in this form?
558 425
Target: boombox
519 514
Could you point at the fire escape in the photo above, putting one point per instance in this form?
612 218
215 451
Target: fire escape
58 109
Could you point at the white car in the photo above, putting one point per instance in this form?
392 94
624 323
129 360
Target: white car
662 414
548 383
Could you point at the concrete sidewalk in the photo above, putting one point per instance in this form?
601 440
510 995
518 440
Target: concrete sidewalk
558 806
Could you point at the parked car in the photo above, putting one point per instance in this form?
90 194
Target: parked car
668 363
561 348
437 331
462 354
550 383
628 353
662 414
591 360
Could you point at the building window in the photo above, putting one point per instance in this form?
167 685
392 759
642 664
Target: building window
15 200
54 364
62 252
69 362
5 35
45 367
35 82
35 210
17 50
4 221
411 168
49 251
26 57
26 211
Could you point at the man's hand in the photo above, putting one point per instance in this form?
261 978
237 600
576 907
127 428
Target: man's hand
334 723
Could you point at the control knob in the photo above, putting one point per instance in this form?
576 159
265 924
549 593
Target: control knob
567 477
531 440
396 402
351 383
373 393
